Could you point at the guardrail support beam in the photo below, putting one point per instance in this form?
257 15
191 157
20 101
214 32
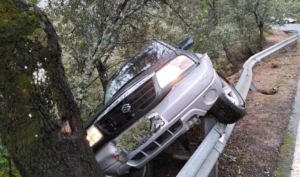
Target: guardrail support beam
252 87
209 123
206 156
214 171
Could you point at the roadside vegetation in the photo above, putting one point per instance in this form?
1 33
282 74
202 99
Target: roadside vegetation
97 37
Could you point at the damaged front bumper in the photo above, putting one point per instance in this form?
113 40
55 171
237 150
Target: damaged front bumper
188 100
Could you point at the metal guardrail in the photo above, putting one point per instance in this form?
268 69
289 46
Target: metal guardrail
206 156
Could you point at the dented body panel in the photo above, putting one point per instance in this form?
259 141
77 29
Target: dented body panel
189 98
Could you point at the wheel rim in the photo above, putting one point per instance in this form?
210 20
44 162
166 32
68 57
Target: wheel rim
139 172
229 92
143 173
136 172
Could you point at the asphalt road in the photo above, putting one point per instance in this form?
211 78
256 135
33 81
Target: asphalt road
294 128
294 124
288 27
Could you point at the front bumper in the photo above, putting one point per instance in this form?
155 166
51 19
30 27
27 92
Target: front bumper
191 97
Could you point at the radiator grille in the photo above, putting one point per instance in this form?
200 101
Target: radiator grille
137 100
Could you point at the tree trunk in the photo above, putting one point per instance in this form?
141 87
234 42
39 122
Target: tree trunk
227 52
40 121
261 37
214 15
102 73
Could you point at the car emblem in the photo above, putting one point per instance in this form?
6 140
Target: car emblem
126 108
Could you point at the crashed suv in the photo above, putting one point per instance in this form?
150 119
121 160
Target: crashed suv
152 100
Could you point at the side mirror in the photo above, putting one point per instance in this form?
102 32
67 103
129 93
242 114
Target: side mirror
186 43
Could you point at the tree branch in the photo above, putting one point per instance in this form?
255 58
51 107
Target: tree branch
120 8
165 1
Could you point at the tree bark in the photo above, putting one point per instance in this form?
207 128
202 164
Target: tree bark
261 36
102 73
40 121
227 52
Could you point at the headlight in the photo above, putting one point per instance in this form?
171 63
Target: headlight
93 135
172 70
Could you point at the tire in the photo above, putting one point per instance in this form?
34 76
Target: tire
286 22
230 106
145 171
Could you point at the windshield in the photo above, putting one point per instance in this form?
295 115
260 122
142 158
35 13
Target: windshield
142 61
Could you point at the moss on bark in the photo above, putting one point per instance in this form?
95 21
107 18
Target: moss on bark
35 99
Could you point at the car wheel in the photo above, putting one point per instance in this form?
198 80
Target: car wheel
230 106
145 171
286 22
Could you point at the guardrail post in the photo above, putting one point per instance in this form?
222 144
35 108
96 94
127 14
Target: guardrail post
252 87
209 123
287 48
214 170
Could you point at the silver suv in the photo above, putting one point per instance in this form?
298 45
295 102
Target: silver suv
152 100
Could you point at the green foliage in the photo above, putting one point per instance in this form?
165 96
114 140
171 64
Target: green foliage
95 45
285 155
1 150
292 9
5 168
131 139
2 159
93 37
223 66
82 35
32 1
233 29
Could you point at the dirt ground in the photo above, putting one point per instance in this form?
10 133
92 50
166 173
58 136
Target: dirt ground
255 144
